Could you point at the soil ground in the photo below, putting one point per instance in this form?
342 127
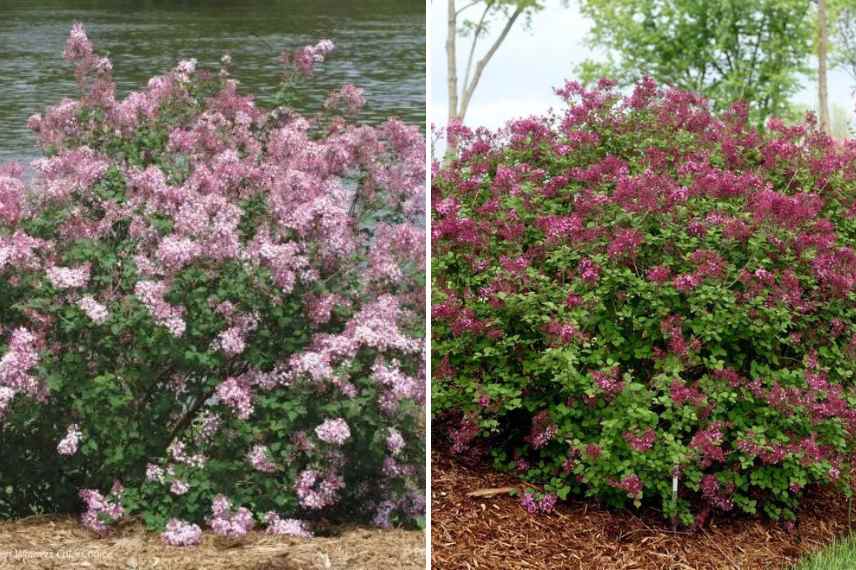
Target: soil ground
496 532
60 542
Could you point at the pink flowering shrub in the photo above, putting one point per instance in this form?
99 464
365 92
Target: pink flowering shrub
640 301
201 300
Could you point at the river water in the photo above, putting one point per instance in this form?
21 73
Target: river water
380 47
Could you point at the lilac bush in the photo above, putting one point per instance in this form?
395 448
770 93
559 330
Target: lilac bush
213 312
643 302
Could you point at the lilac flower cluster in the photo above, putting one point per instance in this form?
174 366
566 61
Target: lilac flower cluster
181 533
349 98
16 365
93 309
68 277
534 505
259 458
151 294
333 431
238 395
68 444
288 527
316 491
101 512
227 521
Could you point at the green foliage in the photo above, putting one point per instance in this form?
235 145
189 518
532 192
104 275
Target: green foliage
726 50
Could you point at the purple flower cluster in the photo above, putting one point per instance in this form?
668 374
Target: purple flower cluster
315 491
101 512
68 444
259 458
238 395
68 277
335 431
181 533
93 309
288 527
228 521
533 505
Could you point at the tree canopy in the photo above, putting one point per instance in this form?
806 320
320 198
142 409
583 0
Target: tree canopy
726 50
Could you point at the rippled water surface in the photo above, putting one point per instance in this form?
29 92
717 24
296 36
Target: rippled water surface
380 47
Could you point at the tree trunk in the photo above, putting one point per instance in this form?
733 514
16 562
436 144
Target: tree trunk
822 49
452 69
470 89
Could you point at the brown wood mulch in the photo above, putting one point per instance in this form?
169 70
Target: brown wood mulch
60 542
496 532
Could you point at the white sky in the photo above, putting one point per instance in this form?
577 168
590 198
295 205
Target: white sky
520 77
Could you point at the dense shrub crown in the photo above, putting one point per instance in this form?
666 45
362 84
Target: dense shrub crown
636 296
212 312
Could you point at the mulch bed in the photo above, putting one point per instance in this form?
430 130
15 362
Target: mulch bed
496 532
60 542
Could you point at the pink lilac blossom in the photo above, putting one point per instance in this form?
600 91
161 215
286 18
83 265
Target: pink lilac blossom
6 396
288 527
395 442
205 426
19 359
68 445
78 45
151 294
68 277
630 484
181 533
178 451
542 430
463 435
321 308
641 443
399 385
237 395
259 458
315 491
659 274
97 312
101 511
333 431
608 380
713 492
589 271
174 252
11 196
349 98
304 60
154 473
231 341
227 521
533 505
179 487
708 443
19 250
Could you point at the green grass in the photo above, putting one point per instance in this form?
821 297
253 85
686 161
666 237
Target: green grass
841 555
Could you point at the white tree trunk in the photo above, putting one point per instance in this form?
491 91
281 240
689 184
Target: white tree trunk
822 53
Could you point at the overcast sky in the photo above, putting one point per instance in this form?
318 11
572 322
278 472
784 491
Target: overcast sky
520 77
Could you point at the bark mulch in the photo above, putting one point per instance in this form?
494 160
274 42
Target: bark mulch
496 532
60 542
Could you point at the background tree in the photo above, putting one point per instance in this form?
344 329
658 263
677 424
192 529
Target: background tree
727 50
503 13
822 61
839 121
843 35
